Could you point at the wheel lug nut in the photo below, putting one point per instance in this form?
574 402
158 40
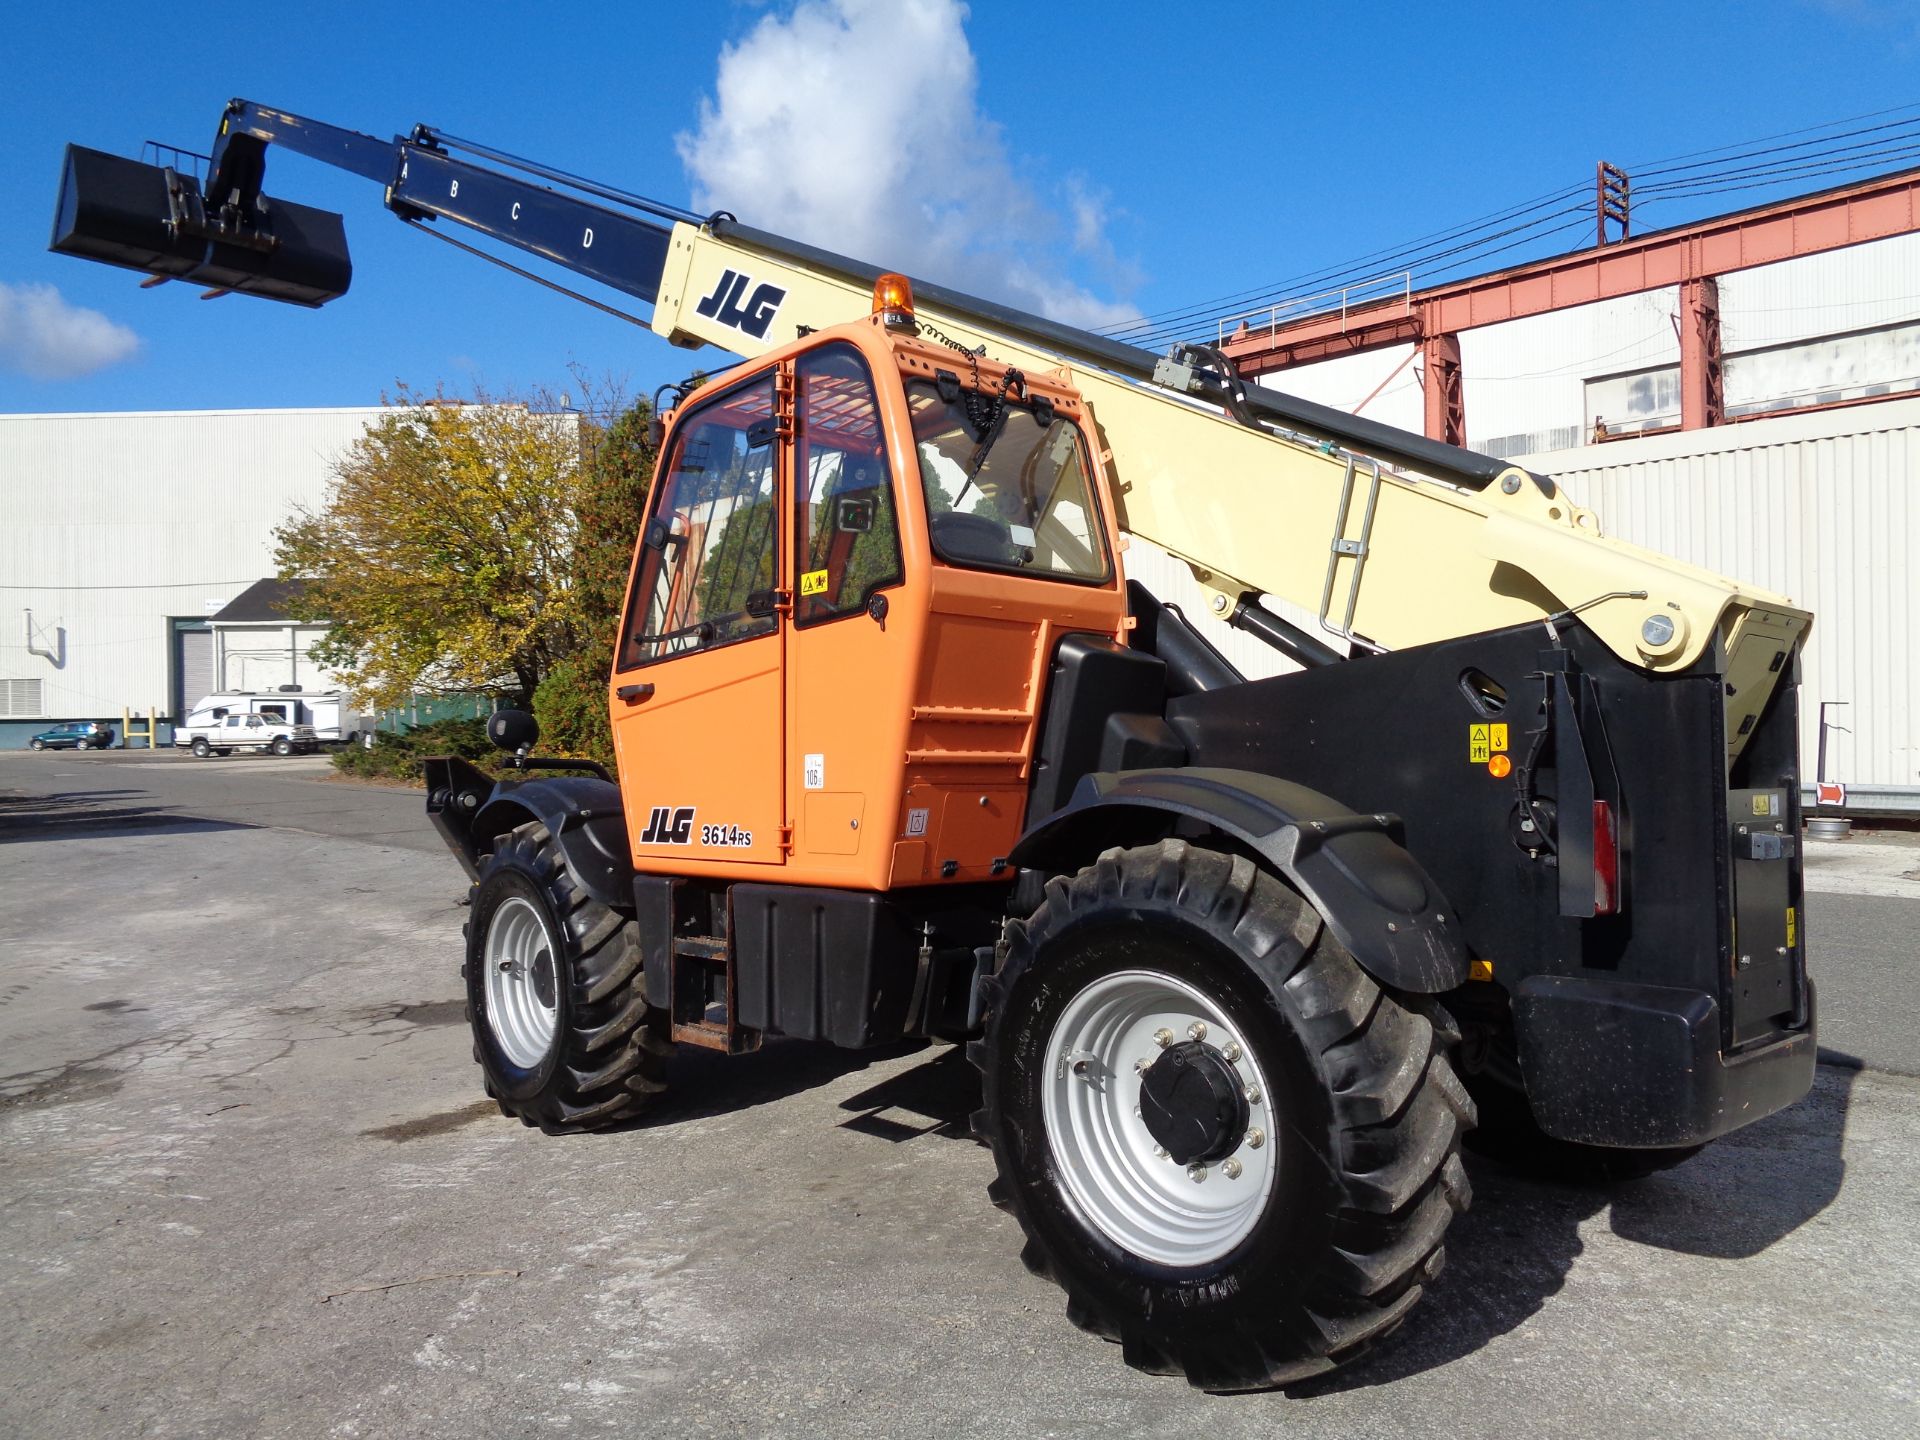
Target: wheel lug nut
1142 1065
1230 1052
1196 1173
1230 1168
1253 1094
1160 1151
1163 1037
1197 1030
1256 1137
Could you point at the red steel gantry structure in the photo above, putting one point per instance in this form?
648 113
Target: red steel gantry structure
1690 256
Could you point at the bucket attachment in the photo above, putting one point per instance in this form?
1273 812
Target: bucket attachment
153 219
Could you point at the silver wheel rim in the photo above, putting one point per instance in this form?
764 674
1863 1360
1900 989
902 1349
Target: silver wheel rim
1119 1180
523 1003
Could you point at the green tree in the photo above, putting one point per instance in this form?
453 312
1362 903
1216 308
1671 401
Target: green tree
571 700
478 545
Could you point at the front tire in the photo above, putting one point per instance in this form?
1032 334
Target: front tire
1282 1236
283 746
555 995
36 743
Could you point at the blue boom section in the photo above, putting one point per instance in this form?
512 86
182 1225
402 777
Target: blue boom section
231 236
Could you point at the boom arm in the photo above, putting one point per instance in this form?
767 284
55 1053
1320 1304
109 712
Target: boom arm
1390 539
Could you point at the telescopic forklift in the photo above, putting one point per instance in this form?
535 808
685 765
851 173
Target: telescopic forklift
902 752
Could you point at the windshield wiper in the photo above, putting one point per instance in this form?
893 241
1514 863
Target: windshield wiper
996 427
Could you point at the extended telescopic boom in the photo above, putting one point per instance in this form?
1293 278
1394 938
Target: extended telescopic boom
1380 538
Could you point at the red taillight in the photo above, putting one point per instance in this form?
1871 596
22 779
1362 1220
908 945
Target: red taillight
1606 861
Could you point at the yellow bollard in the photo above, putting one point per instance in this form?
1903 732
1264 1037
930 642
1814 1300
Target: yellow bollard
149 733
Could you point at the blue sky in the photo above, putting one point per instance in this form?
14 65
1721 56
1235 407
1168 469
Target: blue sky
1102 159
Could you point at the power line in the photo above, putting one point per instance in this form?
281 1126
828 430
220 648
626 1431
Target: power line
1644 166
1405 259
1772 165
1845 158
1378 258
1906 123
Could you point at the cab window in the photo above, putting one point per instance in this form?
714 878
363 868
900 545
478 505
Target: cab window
848 538
706 572
1007 486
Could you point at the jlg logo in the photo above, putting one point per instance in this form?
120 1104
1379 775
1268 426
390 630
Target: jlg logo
668 827
724 305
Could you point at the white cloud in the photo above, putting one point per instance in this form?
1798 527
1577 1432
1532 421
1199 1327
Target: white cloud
44 337
855 125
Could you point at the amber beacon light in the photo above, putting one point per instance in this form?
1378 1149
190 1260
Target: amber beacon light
893 301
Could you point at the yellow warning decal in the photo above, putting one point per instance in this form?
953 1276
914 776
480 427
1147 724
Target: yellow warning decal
1497 738
814 582
1793 927
1479 744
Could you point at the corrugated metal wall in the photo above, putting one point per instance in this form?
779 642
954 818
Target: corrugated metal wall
1818 506
116 523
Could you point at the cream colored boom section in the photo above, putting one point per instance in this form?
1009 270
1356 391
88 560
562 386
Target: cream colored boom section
1253 511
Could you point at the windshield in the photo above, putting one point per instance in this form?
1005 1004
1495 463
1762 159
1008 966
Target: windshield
1011 496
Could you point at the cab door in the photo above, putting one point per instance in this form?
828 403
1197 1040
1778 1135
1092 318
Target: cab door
698 708
849 657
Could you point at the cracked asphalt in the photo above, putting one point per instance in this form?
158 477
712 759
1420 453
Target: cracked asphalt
249 1187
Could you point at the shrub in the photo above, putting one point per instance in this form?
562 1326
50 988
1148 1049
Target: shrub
398 757
571 706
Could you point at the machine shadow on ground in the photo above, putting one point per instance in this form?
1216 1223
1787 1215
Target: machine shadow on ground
1508 1256
93 814
1511 1253
704 1083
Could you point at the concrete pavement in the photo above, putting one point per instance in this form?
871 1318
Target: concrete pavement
249 1186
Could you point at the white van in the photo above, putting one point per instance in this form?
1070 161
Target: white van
284 721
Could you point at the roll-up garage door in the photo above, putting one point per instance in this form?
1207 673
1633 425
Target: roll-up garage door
192 665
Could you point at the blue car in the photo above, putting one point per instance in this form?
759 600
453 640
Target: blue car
74 735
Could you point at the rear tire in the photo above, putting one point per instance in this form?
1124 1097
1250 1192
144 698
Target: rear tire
1360 1112
201 749
555 994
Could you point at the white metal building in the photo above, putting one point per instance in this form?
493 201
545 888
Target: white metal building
123 533
1820 506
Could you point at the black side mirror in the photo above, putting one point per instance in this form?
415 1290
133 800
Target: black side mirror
513 730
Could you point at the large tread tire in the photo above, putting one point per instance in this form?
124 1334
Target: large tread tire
1367 1114
608 1056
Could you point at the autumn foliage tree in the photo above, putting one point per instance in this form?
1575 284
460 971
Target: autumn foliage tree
476 545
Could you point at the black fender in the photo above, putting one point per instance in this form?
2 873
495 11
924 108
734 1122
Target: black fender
1373 895
584 814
